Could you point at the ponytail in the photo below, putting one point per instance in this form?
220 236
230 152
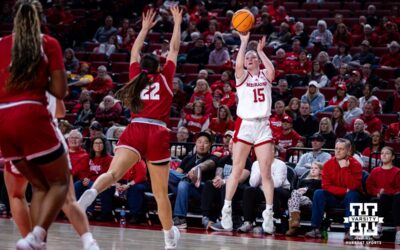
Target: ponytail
26 53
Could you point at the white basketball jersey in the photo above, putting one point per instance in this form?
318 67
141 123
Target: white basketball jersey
254 94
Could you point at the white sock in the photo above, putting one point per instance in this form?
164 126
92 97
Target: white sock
39 232
269 208
227 204
87 239
169 233
94 191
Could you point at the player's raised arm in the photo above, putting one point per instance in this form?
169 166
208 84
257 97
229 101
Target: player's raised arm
265 60
239 68
176 34
147 23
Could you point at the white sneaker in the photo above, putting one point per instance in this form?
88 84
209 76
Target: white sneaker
226 220
172 243
87 199
30 242
397 240
93 246
268 223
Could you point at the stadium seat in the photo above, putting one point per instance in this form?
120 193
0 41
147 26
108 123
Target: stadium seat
384 73
81 55
299 13
188 68
387 119
321 115
118 67
96 64
299 91
97 57
119 57
123 77
328 92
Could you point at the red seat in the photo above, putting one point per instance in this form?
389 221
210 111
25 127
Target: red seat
299 91
387 119
81 55
351 6
216 68
291 5
345 13
310 6
190 77
90 46
299 13
119 57
96 64
154 37
214 77
123 77
118 67
380 51
328 92
307 21
334 6
70 117
384 73
321 115
394 145
189 68
173 122
154 46
383 94
97 57
78 12
319 14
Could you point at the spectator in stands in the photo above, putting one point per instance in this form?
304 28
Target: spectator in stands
128 40
78 156
341 183
228 97
375 146
103 33
302 69
392 133
65 127
327 67
306 160
179 99
372 17
342 77
391 59
318 75
358 28
85 115
210 34
204 21
282 66
369 98
293 108
123 30
109 111
365 55
392 104
283 93
287 138
213 193
321 37
109 47
186 180
164 24
276 119
372 122
226 76
368 77
199 53
342 57
337 21
390 33
189 87
326 130
253 195
383 184
342 36
180 151
302 196
359 136
338 123
281 15
223 122
280 38
101 85
354 85
300 35
353 111
197 121
370 35
202 92
224 150
315 98
76 81
99 163
113 134
265 27
186 34
305 124
71 63
162 52
220 55
132 186
340 99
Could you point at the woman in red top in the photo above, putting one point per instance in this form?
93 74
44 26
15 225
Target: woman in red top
376 146
197 121
384 185
149 96
222 122
202 92
29 59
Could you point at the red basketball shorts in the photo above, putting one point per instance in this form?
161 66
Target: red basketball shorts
149 140
26 131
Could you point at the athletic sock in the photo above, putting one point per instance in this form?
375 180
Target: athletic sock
87 239
39 232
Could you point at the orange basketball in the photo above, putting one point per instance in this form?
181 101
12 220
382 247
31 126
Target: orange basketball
243 20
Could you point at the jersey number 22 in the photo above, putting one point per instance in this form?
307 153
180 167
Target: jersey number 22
151 92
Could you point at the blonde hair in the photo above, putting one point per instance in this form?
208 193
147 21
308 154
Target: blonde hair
320 166
327 120
204 81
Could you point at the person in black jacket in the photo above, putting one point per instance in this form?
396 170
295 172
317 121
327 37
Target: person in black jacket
303 196
359 137
199 53
305 124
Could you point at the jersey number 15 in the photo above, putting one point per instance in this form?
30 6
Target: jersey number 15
151 92
259 95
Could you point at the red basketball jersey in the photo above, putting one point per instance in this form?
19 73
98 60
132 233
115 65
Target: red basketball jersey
157 96
52 60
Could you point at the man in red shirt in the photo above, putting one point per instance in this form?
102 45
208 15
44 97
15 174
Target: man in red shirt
372 122
341 182
276 119
287 138
78 156
392 133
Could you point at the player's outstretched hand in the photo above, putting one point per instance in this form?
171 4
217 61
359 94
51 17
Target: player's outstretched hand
176 14
261 44
148 21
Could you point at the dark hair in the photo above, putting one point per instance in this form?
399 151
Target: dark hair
103 152
130 93
26 53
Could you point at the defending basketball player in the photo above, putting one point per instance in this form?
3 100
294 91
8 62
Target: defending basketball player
16 186
252 127
31 64
149 97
